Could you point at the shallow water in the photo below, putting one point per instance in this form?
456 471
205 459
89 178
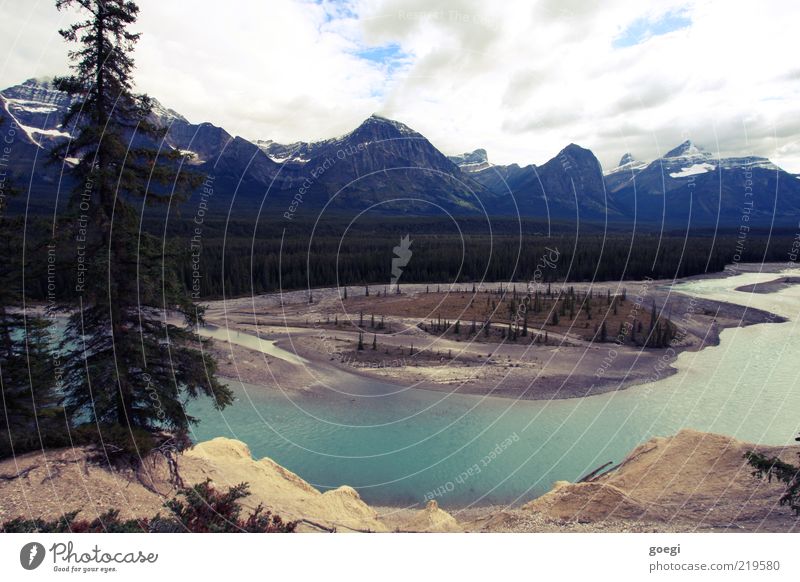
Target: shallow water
399 446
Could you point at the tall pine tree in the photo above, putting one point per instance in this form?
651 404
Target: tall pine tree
129 370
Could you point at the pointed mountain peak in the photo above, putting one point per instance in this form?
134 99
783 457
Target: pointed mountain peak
578 154
626 159
385 124
164 114
575 149
686 150
45 81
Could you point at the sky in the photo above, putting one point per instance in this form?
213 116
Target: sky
520 78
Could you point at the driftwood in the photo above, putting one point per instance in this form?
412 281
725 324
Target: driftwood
332 529
319 526
592 475
596 474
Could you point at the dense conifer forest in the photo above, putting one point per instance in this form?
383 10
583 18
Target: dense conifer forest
240 257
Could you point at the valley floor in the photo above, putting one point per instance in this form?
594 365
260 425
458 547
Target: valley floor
400 344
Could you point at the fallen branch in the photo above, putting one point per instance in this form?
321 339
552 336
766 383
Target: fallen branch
591 476
18 475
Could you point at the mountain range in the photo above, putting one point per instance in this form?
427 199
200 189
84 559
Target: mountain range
385 167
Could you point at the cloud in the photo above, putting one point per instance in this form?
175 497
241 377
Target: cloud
520 79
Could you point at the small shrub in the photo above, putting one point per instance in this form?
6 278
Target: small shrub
773 467
204 510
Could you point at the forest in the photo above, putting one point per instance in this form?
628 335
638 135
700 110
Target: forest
241 257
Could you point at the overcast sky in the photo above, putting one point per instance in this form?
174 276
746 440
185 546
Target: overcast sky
519 78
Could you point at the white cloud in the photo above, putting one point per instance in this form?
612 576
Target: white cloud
520 79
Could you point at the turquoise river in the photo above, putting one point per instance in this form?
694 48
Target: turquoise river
399 447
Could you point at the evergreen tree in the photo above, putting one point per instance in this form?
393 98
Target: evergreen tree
652 317
31 416
128 371
374 342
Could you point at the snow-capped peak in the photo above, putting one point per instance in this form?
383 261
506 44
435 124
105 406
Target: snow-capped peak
473 161
164 114
687 150
285 153
627 163
379 120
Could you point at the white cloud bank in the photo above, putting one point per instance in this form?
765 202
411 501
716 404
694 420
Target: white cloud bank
520 78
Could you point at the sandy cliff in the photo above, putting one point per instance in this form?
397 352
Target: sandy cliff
692 481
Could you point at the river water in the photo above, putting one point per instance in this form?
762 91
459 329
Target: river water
399 447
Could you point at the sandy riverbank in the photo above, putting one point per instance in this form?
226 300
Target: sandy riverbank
567 365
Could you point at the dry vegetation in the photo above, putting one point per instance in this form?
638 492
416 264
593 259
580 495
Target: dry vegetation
506 314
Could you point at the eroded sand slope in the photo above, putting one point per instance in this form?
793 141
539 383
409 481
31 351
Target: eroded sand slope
692 481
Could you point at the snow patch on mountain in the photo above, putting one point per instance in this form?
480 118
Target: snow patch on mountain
29 106
693 170
293 153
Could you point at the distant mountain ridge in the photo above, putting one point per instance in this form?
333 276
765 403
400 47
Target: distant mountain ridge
384 166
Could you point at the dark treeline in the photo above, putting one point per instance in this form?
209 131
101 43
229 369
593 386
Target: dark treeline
262 266
268 258
239 258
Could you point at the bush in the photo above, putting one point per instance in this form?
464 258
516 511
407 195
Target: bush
205 510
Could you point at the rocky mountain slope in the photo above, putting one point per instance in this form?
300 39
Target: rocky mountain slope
385 167
689 184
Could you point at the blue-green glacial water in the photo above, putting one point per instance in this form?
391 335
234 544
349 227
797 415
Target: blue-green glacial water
398 447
